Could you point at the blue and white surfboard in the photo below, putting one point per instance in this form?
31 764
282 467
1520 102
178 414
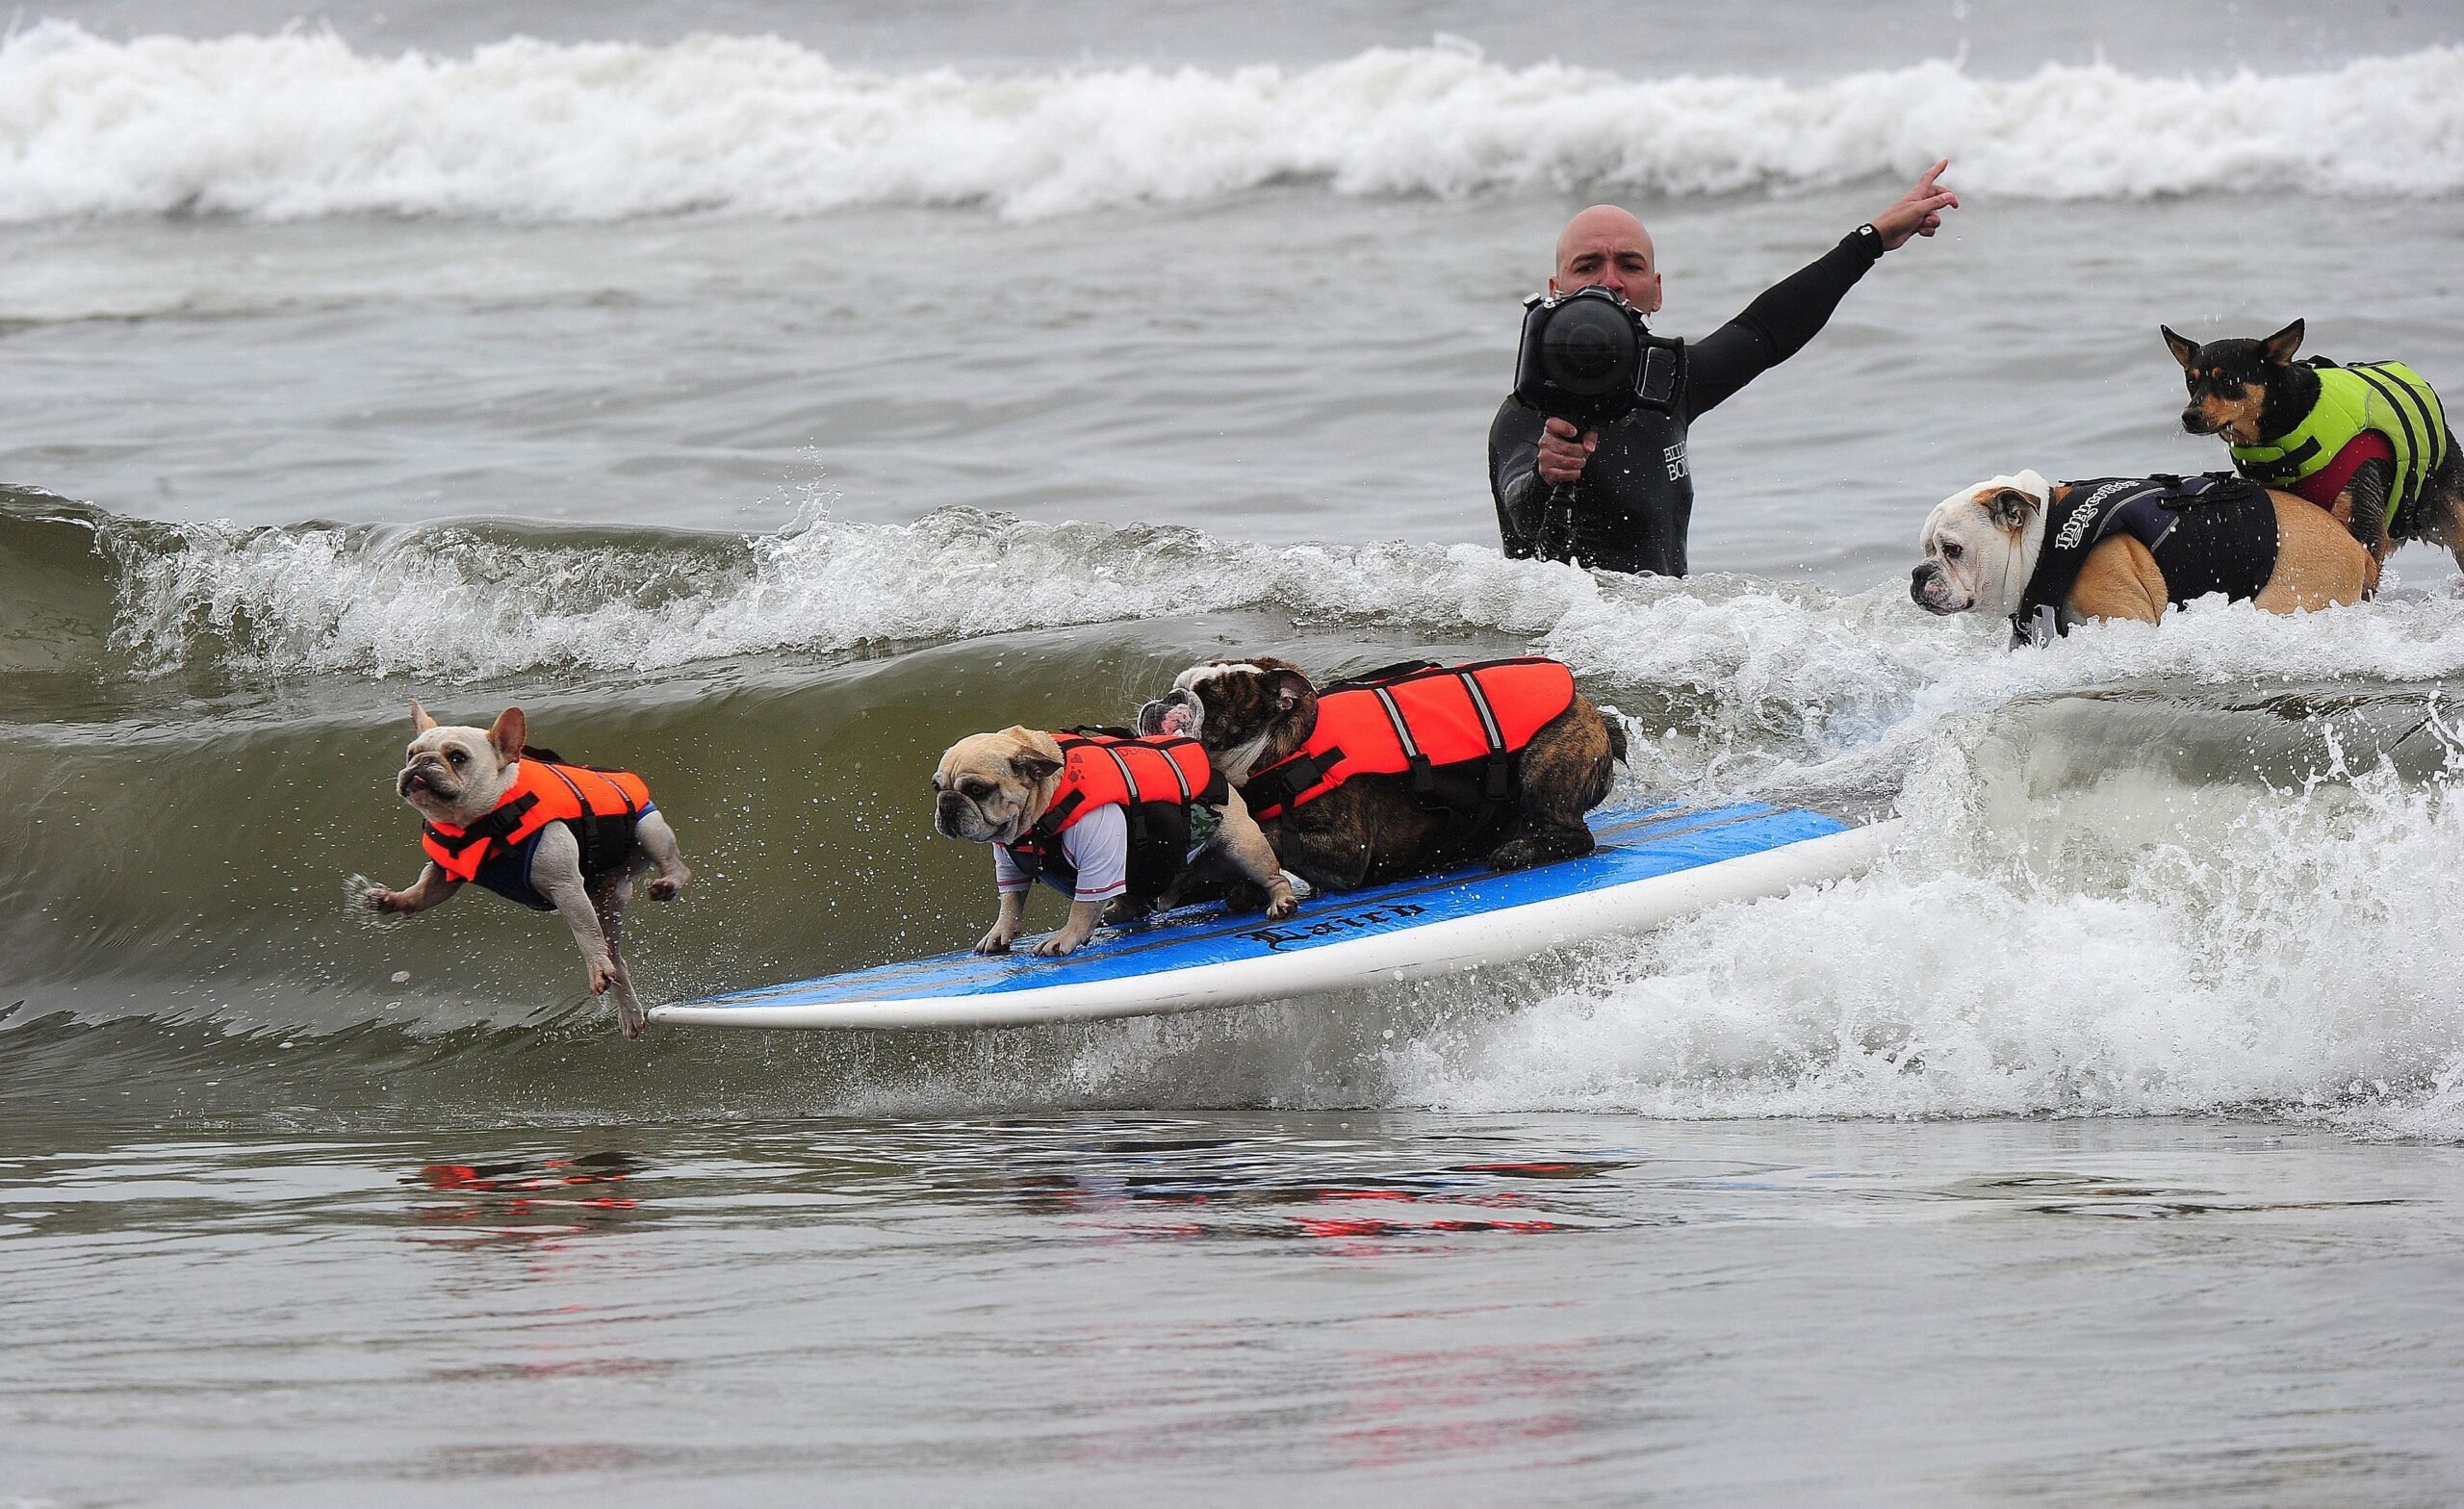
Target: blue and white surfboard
1652 865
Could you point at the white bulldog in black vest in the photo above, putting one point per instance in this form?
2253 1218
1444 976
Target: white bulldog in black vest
2048 555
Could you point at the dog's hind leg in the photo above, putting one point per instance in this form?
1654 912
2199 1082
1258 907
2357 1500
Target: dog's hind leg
607 900
2441 510
1328 859
1534 843
556 870
657 840
2362 509
1567 770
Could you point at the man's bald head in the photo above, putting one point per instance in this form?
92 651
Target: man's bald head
1607 247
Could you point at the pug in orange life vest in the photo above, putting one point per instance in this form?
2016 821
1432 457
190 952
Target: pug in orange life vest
1125 825
555 837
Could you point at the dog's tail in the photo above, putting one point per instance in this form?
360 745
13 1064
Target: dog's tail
1604 775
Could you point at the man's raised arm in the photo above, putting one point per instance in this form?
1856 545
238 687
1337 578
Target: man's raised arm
1791 312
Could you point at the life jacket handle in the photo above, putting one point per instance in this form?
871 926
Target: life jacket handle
595 839
1384 673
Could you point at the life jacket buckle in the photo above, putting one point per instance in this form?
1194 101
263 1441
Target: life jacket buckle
1496 780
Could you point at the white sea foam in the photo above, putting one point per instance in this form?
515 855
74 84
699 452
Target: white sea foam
300 125
2071 926
457 604
2152 948
1788 663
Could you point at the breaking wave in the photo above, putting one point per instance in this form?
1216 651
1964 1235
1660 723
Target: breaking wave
464 602
300 125
2206 868
2125 944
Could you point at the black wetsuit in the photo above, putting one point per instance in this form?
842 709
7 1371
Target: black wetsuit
1636 494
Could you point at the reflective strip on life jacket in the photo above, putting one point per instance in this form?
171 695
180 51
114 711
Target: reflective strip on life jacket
1103 770
1416 722
543 792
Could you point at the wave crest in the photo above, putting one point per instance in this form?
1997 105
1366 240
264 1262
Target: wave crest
464 603
299 126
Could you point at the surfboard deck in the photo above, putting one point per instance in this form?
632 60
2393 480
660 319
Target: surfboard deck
1652 864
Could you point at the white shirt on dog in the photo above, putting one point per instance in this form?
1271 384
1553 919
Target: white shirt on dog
1096 846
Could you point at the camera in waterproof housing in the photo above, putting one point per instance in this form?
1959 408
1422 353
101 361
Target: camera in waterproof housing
1588 358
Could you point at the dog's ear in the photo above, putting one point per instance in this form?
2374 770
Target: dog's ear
2183 349
1289 687
2281 345
420 721
2009 507
1029 763
508 733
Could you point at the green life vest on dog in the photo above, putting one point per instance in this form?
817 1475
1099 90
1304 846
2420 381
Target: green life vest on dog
2386 396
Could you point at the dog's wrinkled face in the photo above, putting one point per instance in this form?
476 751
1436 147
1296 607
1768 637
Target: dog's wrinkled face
1237 709
991 787
1981 545
2227 381
454 773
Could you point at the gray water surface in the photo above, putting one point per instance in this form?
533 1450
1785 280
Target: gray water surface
1366 1308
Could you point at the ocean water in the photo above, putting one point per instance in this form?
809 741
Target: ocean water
764 396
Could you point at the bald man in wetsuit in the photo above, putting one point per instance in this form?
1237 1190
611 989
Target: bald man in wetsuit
1634 491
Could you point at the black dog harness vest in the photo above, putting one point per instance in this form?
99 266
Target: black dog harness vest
2214 532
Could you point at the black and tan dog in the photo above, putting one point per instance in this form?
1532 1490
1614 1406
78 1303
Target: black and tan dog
2369 443
1405 771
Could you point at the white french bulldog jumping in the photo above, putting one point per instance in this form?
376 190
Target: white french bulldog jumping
521 823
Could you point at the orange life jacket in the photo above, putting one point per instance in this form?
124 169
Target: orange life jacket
1157 781
600 805
1454 729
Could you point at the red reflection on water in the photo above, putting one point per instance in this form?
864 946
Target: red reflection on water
525 1200
1337 1226
1410 1407
529 1174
